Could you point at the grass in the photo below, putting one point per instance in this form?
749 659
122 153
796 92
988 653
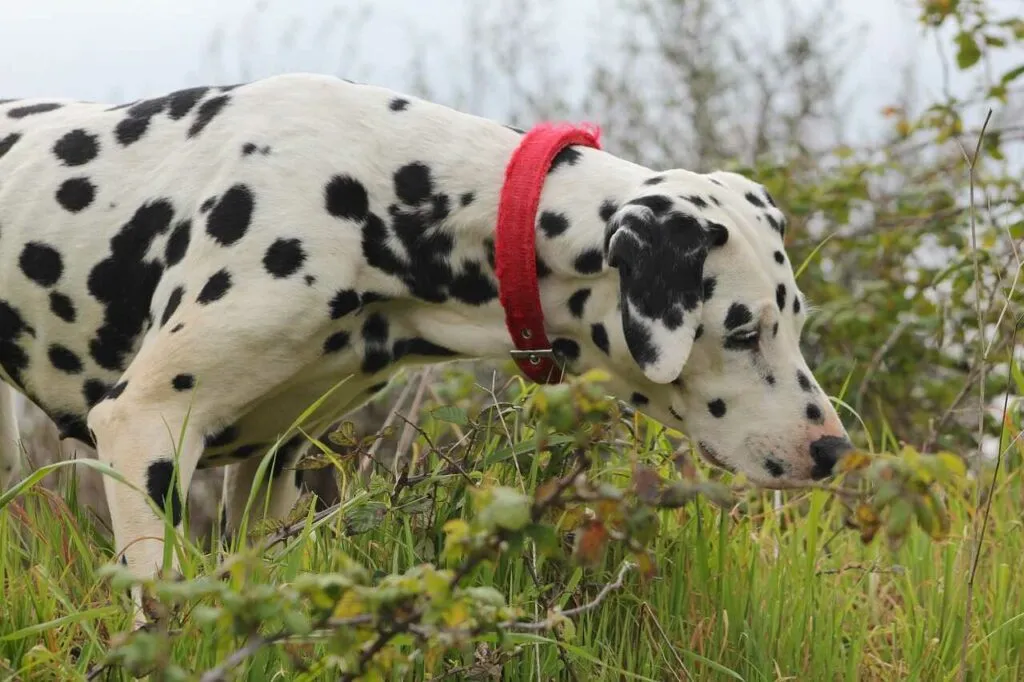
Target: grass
750 592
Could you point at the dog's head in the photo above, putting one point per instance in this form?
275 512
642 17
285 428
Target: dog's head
712 316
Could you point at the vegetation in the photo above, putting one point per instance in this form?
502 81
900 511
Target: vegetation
537 533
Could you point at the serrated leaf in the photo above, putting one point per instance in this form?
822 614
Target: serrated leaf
364 518
451 414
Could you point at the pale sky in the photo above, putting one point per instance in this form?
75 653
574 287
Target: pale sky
125 49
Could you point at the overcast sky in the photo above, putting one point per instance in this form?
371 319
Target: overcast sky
125 49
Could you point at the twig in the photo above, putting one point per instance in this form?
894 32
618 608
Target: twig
258 641
552 621
879 355
971 165
367 463
405 440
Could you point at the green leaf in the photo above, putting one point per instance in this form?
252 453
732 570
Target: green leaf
508 509
451 414
1012 75
968 53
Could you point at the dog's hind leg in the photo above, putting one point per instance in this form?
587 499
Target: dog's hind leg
10 448
276 495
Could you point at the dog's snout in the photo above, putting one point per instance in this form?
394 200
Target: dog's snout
825 452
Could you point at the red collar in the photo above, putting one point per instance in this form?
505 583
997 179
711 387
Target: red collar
514 247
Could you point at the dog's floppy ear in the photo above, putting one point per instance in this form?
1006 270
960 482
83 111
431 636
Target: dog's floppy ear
659 252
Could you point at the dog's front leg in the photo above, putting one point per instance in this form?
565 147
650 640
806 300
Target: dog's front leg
148 445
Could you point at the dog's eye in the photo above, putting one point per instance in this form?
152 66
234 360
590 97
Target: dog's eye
745 338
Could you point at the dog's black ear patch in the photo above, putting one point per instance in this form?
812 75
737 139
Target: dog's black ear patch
659 247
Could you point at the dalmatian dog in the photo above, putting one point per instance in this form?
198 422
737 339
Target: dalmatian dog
182 277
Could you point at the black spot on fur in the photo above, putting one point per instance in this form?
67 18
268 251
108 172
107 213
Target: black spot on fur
160 485
93 390
13 358
226 436
346 197
607 210
7 142
553 224
717 408
780 296
780 258
173 301
183 382
467 198
76 147
182 101
796 305
177 328
589 262
599 335
754 199
41 263
124 283
542 268
419 347
738 316
343 303
177 243
117 390
804 381
697 201
215 287
569 156
76 194
774 467
699 333
769 379
413 183
658 203
654 180
229 219
472 286
207 111
639 399
578 301
398 104
567 349
73 426
207 204
708 288
62 306
375 337
286 455
284 257
130 130
336 342
31 109
64 359
814 414
641 347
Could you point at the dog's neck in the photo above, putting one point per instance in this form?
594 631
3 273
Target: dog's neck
579 293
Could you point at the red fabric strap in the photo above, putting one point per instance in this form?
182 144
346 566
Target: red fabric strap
514 246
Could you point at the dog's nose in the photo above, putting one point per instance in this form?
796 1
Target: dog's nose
825 452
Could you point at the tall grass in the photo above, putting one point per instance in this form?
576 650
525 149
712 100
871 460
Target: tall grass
750 592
